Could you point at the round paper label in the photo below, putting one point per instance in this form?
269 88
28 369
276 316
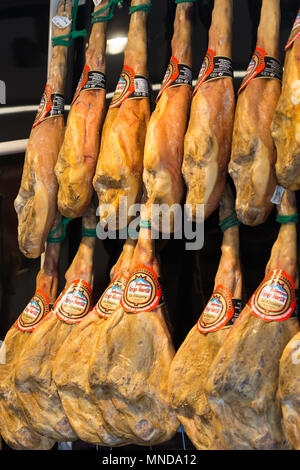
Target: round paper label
74 303
111 297
34 312
142 292
217 312
275 298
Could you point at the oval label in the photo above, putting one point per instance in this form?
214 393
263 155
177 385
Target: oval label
111 297
74 303
34 312
142 292
218 311
275 298
124 87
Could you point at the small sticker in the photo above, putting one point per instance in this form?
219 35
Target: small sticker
74 303
213 67
97 2
261 66
275 298
90 80
111 297
176 75
51 105
277 195
130 86
34 312
295 33
143 291
61 22
217 312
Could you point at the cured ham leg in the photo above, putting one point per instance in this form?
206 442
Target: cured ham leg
36 203
77 158
191 363
130 364
33 379
15 430
207 142
286 121
289 390
165 133
70 370
253 155
120 162
243 378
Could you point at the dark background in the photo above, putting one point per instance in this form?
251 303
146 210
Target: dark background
188 276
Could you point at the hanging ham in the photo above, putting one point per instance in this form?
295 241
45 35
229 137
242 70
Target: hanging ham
286 120
128 369
77 158
243 378
33 378
207 142
191 363
36 202
289 390
15 430
253 155
165 133
70 370
120 162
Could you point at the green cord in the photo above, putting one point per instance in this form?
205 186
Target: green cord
185 1
89 232
285 219
229 222
145 7
145 223
64 223
111 6
67 39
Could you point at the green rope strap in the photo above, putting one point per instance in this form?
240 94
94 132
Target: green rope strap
229 222
185 1
111 6
145 223
145 7
67 39
89 232
64 222
285 219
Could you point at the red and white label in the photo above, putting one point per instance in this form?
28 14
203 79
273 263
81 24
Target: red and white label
142 292
295 33
176 75
34 312
74 303
217 312
275 298
111 297
125 87
44 107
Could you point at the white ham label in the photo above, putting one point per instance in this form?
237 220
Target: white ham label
34 312
277 195
275 298
61 21
111 297
218 311
75 302
142 292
